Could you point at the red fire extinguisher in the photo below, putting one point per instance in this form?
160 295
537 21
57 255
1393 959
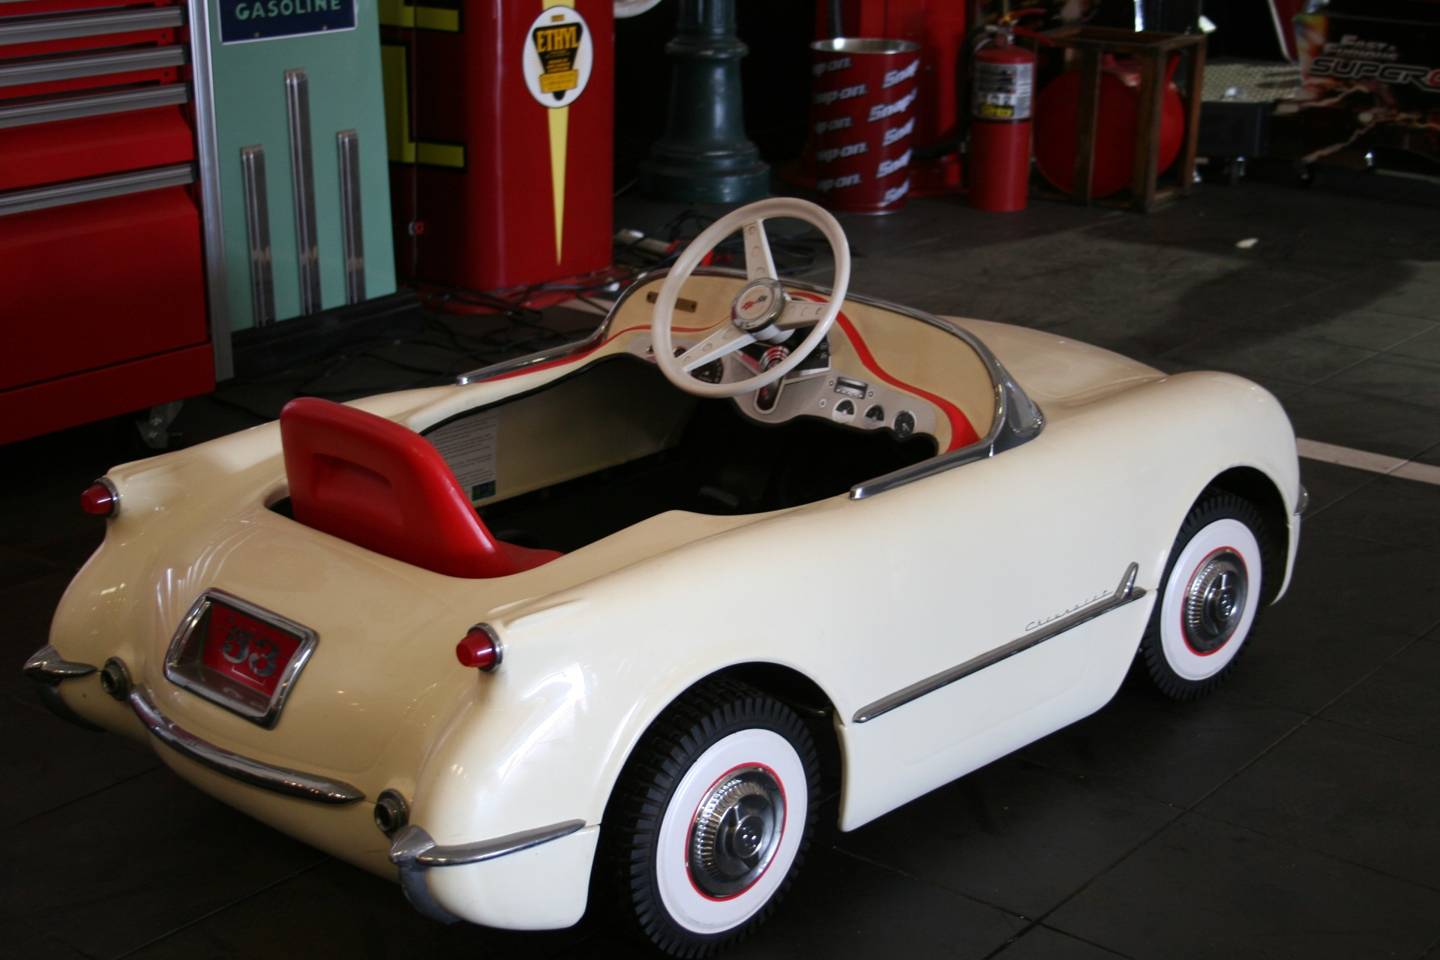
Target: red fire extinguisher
1003 81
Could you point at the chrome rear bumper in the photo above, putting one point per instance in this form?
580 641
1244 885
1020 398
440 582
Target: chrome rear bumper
49 668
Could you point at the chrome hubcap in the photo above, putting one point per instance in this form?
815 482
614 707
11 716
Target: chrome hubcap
1215 601
736 832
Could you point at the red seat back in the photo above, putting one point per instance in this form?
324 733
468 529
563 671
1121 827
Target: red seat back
382 486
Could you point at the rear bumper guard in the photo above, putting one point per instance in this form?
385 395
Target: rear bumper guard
414 851
49 668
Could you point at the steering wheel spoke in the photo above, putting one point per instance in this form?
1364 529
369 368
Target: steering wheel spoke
759 264
725 340
759 303
801 313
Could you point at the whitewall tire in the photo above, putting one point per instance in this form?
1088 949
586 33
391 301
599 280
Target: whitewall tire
1209 598
711 819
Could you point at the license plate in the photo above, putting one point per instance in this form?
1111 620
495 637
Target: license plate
238 655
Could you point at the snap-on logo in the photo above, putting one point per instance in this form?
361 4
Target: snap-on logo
888 167
836 183
830 66
893 77
827 97
882 110
835 123
895 193
849 150
895 134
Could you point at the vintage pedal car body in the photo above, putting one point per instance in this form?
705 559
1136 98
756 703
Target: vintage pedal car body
695 593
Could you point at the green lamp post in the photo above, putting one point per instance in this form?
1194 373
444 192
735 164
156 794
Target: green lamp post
704 155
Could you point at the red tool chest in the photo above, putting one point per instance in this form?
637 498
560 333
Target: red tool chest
102 278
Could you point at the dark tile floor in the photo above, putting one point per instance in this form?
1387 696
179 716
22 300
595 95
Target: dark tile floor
1293 814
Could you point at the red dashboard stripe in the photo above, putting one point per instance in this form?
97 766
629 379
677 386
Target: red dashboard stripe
962 433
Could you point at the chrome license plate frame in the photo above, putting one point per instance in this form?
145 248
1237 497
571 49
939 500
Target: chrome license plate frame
185 667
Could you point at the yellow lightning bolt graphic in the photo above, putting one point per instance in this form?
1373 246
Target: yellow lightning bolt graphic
559 134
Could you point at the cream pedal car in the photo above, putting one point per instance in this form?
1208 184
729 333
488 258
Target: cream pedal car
607 617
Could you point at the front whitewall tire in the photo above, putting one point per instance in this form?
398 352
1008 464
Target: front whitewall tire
1188 656
1210 597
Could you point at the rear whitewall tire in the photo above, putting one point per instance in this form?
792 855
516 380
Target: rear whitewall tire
760 753
710 820
1210 597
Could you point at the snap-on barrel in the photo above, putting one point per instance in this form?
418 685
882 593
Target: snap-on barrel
863 117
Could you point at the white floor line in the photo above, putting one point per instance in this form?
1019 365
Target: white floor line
1364 460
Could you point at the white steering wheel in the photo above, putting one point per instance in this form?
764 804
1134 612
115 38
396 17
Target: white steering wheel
761 311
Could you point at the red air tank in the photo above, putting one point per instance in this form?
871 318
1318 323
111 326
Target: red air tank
1003 82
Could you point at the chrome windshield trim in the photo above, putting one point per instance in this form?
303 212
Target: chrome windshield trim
47 666
1127 592
292 783
1017 419
413 845
556 352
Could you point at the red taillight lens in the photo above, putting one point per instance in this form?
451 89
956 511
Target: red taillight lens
100 499
480 648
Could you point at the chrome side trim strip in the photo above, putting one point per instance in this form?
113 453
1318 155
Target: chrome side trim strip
292 783
68 26
256 198
347 144
47 666
207 154
92 105
98 188
1125 593
90 65
302 178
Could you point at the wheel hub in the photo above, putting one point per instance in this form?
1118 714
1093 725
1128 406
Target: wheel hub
736 832
1215 601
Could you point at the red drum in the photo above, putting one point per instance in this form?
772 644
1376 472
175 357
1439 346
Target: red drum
863 117
1114 169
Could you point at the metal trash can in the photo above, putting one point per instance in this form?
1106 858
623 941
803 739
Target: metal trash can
863 119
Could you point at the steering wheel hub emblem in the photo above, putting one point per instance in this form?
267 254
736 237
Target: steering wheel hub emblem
758 304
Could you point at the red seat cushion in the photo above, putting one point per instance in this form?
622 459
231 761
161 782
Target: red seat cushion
382 486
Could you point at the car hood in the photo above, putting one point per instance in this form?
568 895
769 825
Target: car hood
1056 371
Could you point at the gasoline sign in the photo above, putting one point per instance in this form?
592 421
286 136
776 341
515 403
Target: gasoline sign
558 56
243 20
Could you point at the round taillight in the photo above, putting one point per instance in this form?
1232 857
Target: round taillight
100 499
480 648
